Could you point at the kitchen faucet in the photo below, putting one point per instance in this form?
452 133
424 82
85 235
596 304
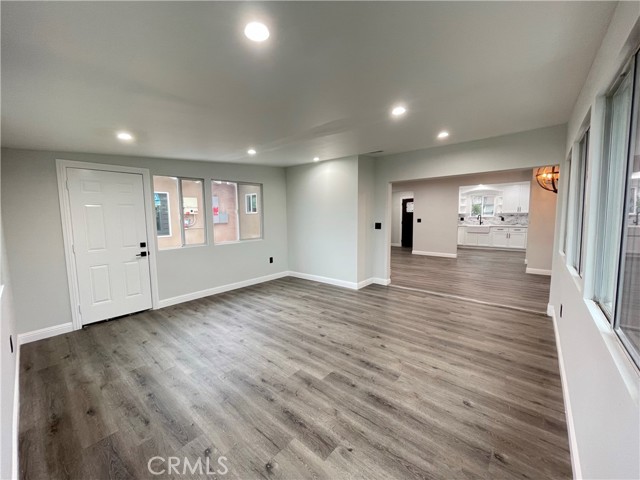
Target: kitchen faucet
480 218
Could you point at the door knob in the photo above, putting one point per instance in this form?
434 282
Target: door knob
142 254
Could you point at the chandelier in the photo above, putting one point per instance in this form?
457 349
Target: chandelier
547 178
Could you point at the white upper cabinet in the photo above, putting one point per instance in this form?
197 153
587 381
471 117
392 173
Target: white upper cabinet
515 198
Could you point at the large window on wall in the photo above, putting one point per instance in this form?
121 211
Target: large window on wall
612 188
627 314
237 211
180 214
581 169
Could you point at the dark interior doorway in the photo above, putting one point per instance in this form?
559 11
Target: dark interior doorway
407 223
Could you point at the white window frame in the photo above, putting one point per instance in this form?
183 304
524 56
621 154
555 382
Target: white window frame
168 213
248 204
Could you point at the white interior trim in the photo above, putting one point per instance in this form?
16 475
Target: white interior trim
396 244
373 280
16 416
435 254
221 289
65 212
327 280
573 442
538 271
36 335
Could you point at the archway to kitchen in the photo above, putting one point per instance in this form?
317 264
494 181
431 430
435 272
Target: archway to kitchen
487 237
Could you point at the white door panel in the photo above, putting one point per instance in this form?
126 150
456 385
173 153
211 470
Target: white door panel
109 226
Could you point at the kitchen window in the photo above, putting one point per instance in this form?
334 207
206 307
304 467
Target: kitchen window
179 212
483 205
231 224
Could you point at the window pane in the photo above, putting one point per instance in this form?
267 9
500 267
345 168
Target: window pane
628 315
582 168
167 212
565 243
225 211
193 212
613 182
251 216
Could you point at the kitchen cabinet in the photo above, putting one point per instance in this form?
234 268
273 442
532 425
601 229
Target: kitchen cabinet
500 237
515 198
497 237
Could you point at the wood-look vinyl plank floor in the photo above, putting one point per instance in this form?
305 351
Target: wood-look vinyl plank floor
293 379
493 276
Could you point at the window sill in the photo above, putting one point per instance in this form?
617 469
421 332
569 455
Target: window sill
236 242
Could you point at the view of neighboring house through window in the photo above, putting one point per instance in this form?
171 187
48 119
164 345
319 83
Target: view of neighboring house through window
231 224
179 209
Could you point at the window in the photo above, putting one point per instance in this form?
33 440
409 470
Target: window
251 203
627 311
484 205
565 242
229 223
179 212
577 225
610 216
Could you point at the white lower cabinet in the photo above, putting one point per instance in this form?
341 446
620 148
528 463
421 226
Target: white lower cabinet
500 237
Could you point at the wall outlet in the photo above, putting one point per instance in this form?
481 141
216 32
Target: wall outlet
270 259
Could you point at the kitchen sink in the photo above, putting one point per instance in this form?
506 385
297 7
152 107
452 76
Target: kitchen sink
479 229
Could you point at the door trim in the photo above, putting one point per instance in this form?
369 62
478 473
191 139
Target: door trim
65 212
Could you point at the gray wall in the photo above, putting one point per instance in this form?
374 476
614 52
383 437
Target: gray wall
8 367
36 263
436 203
366 185
542 225
322 213
602 386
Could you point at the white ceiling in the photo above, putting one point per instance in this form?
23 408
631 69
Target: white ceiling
183 78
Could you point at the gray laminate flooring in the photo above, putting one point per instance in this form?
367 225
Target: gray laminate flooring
294 379
494 276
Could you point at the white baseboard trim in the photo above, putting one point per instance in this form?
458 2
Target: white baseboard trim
16 415
538 271
327 280
573 443
373 280
435 254
221 289
396 244
35 335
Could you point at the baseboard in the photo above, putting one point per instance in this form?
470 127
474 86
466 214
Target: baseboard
538 271
187 297
435 254
373 280
573 443
327 280
396 244
36 335
16 415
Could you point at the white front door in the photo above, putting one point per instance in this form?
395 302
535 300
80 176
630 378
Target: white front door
109 243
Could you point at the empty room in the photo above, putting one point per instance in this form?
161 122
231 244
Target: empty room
320 240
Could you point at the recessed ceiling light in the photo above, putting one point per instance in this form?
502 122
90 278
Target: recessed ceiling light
251 151
316 159
443 134
256 31
124 136
399 110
